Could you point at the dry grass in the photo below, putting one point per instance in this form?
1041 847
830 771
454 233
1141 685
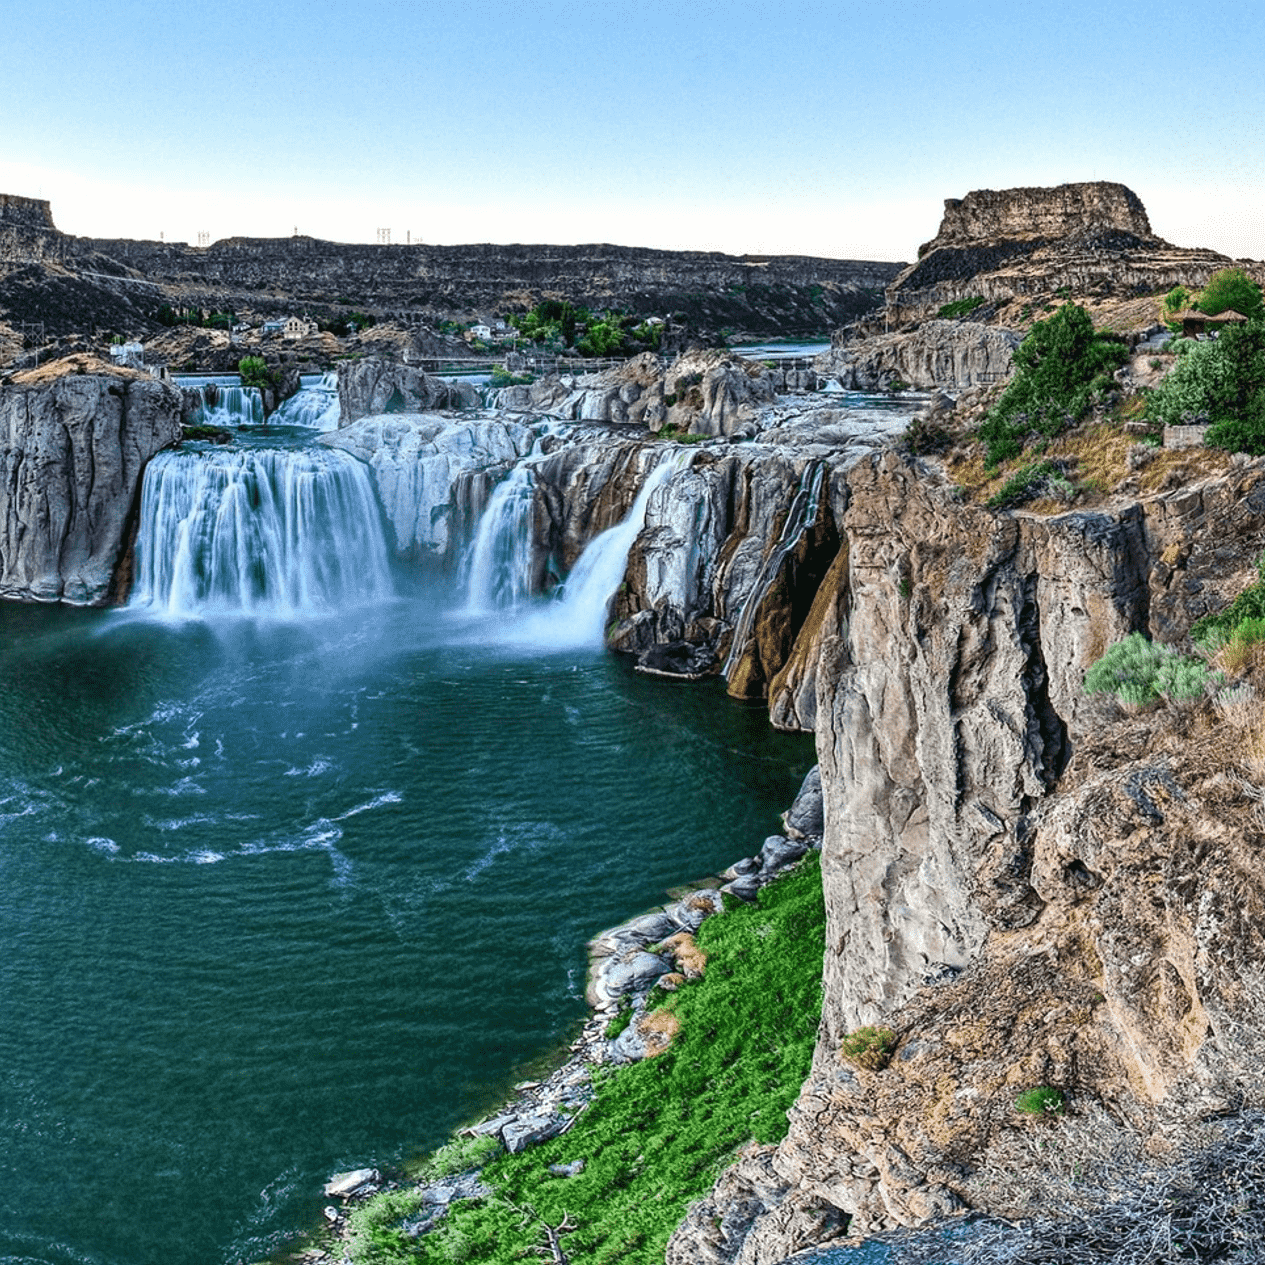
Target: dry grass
657 1030
1101 460
686 953
83 363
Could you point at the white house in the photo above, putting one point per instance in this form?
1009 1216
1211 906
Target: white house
298 327
130 354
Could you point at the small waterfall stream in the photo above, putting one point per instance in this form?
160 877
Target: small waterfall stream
799 518
225 402
498 569
270 531
314 406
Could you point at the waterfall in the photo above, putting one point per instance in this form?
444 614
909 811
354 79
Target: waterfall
258 531
314 406
578 615
799 518
228 406
498 568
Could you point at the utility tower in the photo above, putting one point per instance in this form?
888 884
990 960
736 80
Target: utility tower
384 237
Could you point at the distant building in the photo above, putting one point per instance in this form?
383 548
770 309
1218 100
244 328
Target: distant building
130 355
481 332
273 327
298 327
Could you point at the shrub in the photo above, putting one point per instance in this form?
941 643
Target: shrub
459 1156
1043 1100
1138 672
1024 485
255 372
1220 381
960 307
868 1048
924 436
1231 288
1061 368
1214 630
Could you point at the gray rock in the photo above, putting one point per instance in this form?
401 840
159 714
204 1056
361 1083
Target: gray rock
358 1181
637 972
745 887
779 852
573 1169
370 386
805 818
690 913
72 453
524 1131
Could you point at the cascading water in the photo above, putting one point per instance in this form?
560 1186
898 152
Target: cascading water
227 404
578 615
499 564
801 515
266 531
314 406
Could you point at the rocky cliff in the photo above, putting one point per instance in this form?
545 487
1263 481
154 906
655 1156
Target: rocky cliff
703 291
948 354
1027 890
73 446
1093 238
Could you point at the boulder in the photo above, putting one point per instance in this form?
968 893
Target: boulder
372 386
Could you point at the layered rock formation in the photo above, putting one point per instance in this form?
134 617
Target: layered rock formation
419 283
73 447
1026 895
947 354
1092 238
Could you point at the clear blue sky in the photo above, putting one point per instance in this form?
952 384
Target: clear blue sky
828 129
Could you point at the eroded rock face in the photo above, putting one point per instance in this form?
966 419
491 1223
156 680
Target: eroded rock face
701 392
1061 211
72 452
419 460
372 386
948 354
1026 892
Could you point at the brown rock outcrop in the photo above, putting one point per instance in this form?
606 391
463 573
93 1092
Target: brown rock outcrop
1091 238
72 450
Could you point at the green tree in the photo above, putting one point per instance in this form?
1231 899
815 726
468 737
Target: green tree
255 372
1231 288
1060 369
1221 382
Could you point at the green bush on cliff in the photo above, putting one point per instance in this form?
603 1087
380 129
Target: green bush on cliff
255 372
1139 672
1220 381
1214 630
657 1132
1061 368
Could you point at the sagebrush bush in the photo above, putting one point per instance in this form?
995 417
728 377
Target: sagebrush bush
1138 672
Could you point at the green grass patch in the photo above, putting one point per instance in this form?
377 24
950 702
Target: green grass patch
960 307
657 1132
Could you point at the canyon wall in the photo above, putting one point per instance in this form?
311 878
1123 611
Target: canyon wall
72 452
1027 886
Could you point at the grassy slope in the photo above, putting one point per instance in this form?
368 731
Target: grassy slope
659 1131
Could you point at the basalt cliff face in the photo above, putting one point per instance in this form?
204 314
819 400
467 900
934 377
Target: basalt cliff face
1029 890
73 448
1092 238
69 283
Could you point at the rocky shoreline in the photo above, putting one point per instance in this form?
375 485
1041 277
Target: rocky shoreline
626 963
